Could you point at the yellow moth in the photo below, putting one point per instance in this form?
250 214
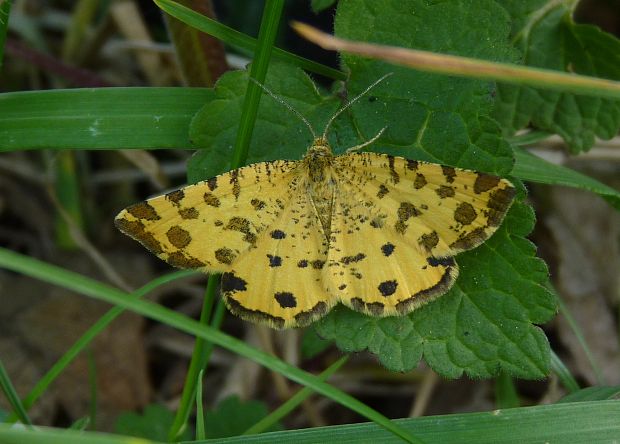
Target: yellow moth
375 232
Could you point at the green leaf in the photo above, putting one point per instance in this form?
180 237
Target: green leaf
106 118
232 417
312 344
549 38
152 424
482 326
593 394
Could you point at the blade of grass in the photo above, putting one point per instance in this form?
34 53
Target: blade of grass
598 373
566 423
5 10
506 395
200 417
197 365
100 118
42 385
239 40
293 402
11 395
567 380
266 38
532 168
465 66
89 287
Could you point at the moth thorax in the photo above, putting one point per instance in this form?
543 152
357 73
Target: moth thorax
318 160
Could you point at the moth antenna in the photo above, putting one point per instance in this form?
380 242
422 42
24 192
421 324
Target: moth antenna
368 142
355 99
287 105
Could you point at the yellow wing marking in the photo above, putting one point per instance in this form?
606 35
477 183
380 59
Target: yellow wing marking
279 281
208 225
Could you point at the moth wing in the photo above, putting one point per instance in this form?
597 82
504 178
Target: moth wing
397 224
278 281
209 224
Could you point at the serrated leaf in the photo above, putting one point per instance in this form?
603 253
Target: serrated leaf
232 417
549 38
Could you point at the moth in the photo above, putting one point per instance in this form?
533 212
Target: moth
292 238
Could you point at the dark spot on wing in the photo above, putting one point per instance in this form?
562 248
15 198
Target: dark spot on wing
342 287
278 234
258 204
393 174
231 282
180 260
285 299
225 255
498 204
212 183
485 182
143 210
383 190
189 213
178 237
175 196
387 249
445 191
302 263
346 260
419 181
465 213
274 261
211 199
317 264
444 262
429 241
137 231
412 164
388 288
449 173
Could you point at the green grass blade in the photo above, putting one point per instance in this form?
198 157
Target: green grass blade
535 169
197 365
89 287
200 417
266 38
291 404
5 10
105 118
11 395
566 423
593 394
42 385
572 323
563 374
239 40
506 395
